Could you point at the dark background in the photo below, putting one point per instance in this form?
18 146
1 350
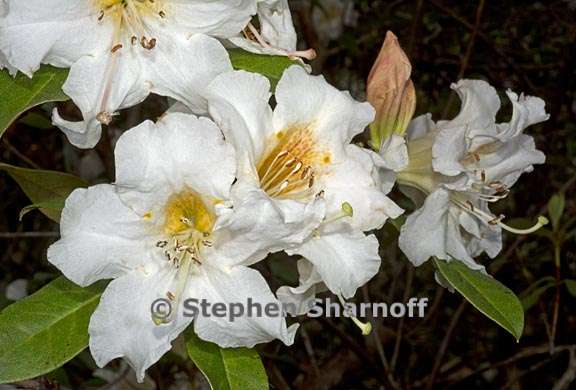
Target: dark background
527 46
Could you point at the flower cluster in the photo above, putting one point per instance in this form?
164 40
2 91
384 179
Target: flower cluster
237 171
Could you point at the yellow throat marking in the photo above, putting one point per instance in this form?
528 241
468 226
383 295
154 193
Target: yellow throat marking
289 167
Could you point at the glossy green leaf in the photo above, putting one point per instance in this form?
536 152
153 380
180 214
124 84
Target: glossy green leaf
486 294
21 93
44 188
226 368
556 206
45 330
270 66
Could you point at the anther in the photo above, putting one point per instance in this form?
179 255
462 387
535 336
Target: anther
186 221
148 44
116 48
496 220
311 181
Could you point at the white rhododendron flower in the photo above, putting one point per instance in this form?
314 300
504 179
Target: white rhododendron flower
119 51
4 64
313 190
458 167
158 232
276 35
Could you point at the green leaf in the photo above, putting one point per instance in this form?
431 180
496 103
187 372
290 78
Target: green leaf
21 93
571 286
49 207
270 66
45 330
555 209
486 294
45 188
532 294
226 368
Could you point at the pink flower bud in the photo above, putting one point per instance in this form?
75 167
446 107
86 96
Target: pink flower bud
391 91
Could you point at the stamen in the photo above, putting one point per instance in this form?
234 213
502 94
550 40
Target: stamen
309 54
287 168
489 219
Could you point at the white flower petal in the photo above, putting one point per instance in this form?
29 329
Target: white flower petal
101 238
297 300
237 286
239 104
182 68
394 153
449 149
154 161
420 126
5 64
276 24
100 86
527 110
261 225
123 326
352 181
57 32
219 18
434 230
334 116
480 103
346 260
516 156
276 29
83 134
